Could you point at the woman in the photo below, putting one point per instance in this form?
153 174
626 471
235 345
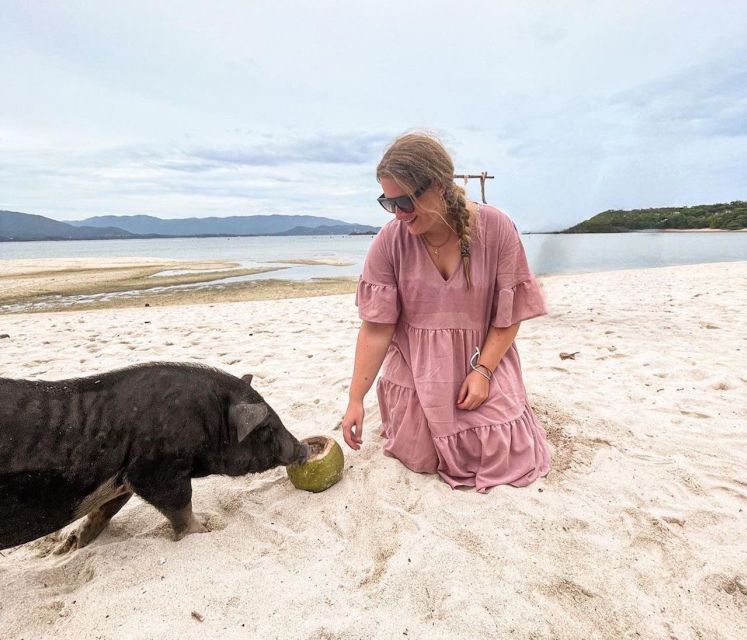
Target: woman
443 290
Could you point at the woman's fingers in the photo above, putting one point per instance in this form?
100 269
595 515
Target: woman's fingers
466 404
352 429
472 393
357 431
347 434
462 395
472 401
351 438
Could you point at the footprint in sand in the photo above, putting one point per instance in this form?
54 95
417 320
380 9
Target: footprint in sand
695 414
570 452
733 585
211 520
689 481
569 592
672 520
69 575
381 563
652 533
722 386
732 486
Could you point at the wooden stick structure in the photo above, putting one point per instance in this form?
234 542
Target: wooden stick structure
480 176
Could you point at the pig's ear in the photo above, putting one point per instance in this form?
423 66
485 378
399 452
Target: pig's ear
247 378
246 417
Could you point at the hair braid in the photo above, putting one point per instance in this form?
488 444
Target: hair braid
459 214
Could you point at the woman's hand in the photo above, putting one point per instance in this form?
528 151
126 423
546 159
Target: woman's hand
352 424
473 392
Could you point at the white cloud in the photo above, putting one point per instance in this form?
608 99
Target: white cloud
179 109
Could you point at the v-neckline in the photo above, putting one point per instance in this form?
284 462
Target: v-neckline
435 266
460 264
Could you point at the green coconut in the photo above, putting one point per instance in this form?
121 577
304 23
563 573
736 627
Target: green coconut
322 469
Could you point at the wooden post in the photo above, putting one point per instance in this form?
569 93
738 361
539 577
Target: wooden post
480 176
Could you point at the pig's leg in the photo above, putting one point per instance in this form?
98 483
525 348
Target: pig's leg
173 498
93 525
183 522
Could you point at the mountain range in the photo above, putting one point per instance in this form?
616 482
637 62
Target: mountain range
16 226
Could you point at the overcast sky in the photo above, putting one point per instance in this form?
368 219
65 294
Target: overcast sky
180 109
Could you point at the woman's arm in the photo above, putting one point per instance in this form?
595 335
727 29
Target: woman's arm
476 387
497 342
373 341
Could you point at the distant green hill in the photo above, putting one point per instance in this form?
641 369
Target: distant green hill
728 216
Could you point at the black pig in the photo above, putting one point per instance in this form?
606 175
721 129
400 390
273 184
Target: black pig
82 447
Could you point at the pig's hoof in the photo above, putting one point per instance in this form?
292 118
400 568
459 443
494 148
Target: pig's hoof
70 543
195 526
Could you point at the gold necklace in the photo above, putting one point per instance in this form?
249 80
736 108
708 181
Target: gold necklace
435 248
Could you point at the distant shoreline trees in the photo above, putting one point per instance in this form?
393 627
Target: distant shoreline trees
731 216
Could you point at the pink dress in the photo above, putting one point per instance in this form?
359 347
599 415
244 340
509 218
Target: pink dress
439 324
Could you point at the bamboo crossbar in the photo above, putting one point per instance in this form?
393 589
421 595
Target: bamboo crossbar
482 177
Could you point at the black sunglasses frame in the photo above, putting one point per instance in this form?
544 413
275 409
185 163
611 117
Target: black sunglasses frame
405 204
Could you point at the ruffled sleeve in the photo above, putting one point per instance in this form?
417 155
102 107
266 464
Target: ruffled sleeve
377 297
517 295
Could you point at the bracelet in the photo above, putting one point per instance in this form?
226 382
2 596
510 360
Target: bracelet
474 364
482 373
488 374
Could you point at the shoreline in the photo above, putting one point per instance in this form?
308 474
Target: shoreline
55 285
265 289
596 233
550 274
345 235
57 282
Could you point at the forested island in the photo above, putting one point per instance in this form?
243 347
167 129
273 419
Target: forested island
728 216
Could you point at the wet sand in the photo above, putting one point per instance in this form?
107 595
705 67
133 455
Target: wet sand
56 285
331 262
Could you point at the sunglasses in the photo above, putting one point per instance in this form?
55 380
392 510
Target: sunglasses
405 204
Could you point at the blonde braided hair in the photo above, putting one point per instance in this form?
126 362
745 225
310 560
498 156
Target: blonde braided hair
419 158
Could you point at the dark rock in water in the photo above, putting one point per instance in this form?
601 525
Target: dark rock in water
147 304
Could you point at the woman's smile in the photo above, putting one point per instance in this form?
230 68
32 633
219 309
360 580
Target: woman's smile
409 218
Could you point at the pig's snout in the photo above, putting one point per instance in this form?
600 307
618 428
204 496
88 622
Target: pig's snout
301 453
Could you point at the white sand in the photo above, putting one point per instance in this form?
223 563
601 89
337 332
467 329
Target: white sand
638 531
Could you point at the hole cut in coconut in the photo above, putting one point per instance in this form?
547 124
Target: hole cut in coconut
319 446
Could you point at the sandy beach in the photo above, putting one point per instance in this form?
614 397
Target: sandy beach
637 532
113 283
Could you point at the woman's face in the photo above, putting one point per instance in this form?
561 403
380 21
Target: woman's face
423 218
